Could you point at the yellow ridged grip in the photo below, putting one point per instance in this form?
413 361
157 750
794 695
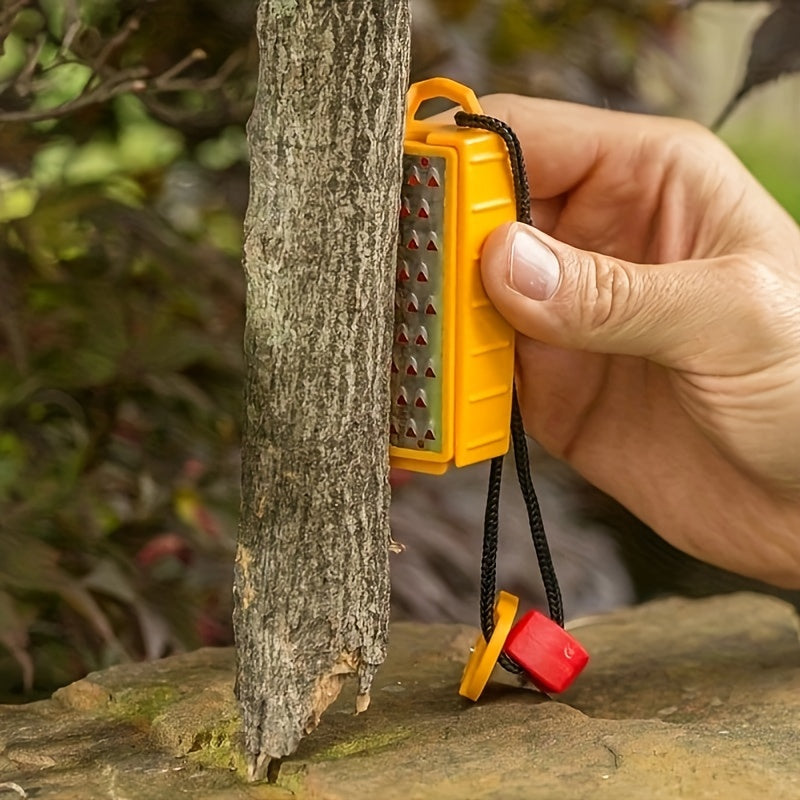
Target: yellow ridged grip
453 354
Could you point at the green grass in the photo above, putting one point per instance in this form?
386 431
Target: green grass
774 158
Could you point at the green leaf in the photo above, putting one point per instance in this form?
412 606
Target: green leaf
148 146
93 163
228 149
65 82
54 11
100 13
13 58
17 198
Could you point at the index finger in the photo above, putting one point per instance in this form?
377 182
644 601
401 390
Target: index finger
561 142
564 143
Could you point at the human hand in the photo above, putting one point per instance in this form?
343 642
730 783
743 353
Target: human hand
659 313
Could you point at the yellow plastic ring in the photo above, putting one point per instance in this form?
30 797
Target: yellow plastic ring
440 87
484 655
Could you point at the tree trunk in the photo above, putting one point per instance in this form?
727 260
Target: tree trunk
311 580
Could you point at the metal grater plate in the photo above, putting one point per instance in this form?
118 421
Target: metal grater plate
416 416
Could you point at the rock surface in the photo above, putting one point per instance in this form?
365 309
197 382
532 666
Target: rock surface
690 699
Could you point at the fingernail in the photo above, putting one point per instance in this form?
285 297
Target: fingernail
533 269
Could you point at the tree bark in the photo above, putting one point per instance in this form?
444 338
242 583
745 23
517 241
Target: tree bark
311 580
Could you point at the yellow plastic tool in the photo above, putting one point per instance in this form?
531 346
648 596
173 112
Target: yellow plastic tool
485 654
453 354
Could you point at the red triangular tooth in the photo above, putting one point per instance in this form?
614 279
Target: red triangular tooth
401 400
421 340
412 370
402 338
420 403
413 244
423 213
431 245
429 435
429 373
429 309
393 429
432 181
412 307
403 274
422 277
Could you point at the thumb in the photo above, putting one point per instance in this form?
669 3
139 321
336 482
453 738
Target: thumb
578 299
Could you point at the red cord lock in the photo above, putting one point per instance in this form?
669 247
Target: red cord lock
551 657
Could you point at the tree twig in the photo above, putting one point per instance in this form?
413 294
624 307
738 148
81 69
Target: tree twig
102 93
131 25
114 83
166 78
24 80
72 25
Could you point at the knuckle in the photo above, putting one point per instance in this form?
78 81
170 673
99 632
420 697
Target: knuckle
766 295
686 131
690 142
690 129
604 292
600 302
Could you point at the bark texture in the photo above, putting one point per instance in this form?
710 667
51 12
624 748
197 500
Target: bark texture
311 581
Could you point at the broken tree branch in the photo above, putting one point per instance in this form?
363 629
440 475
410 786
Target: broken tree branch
311 583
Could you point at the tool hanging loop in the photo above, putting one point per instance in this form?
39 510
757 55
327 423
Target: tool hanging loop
419 92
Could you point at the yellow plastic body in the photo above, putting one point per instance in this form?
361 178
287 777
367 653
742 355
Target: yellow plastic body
477 344
485 654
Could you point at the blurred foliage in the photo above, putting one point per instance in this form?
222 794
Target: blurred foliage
615 53
121 301
123 184
774 51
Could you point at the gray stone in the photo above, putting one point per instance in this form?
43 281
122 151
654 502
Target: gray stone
695 699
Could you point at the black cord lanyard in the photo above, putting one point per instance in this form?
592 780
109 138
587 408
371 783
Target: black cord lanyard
521 460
